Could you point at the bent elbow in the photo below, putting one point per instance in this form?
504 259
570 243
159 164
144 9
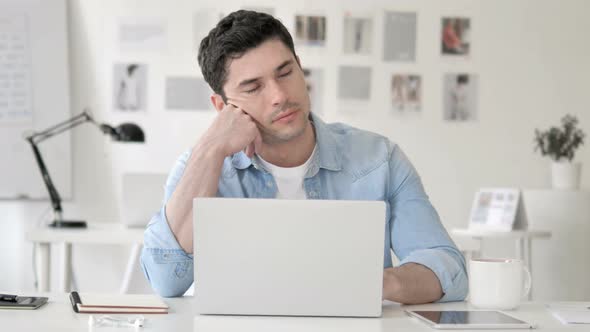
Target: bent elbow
167 278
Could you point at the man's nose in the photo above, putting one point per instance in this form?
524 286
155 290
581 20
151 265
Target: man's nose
278 94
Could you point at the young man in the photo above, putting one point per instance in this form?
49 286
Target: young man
266 143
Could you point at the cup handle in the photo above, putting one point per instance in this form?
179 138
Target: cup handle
528 282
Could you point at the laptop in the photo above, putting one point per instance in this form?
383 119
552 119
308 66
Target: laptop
288 257
142 195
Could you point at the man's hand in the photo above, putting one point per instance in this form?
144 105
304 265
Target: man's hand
411 283
391 283
233 130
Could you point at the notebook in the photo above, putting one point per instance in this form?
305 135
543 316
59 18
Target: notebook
117 304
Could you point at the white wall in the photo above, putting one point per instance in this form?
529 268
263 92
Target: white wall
531 57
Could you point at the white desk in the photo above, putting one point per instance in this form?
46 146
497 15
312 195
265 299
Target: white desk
58 316
523 240
99 233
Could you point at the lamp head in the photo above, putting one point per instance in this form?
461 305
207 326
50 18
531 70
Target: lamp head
125 132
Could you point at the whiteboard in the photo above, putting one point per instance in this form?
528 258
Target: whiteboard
34 95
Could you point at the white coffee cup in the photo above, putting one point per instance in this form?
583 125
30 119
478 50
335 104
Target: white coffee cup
498 283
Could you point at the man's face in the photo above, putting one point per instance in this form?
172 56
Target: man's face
268 84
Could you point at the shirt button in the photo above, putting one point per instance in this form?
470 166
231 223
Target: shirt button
269 184
313 193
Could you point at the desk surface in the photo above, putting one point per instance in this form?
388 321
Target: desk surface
57 315
514 234
104 233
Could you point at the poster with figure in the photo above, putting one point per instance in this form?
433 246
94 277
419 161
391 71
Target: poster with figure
357 34
406 92
460 97
455 36
310 30
130 87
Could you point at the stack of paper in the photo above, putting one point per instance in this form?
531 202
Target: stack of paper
117 304
571 312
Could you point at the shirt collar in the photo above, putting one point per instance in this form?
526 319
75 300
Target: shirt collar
326 155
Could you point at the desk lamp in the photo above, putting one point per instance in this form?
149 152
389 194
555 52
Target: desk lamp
126 132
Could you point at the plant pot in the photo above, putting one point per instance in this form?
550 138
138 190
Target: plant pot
565 175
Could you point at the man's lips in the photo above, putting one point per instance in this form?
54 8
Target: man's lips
285 114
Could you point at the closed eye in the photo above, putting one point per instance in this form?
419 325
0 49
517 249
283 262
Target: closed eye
252 90
286 74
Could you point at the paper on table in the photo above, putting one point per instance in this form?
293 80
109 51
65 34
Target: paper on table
571 312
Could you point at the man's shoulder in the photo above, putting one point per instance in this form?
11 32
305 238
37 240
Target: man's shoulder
346 129
361 150
359 139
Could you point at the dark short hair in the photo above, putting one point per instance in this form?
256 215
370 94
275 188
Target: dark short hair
233 36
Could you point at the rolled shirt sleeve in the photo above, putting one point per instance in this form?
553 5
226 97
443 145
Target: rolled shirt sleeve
417 234
168 268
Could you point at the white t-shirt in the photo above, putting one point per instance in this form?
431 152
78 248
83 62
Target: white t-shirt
289 179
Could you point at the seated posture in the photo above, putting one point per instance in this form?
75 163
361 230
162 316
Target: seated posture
266 142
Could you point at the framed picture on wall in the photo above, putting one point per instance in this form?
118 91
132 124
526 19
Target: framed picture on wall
406 92
455 36
460 97
310 30
399 37
498 209
354 88
130 87
314 80
357 34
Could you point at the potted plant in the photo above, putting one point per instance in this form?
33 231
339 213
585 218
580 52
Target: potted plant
560 145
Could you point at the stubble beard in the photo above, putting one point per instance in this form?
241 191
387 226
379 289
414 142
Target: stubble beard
277 138
272 137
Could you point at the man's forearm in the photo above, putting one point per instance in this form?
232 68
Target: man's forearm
200 179
411 284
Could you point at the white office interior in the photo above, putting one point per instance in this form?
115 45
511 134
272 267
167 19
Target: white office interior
531 63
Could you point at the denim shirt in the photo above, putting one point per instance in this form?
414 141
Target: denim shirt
349 164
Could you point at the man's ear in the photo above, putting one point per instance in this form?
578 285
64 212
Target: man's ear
217 102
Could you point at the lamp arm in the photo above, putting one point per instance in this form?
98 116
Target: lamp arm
38 137
53 194
75 121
